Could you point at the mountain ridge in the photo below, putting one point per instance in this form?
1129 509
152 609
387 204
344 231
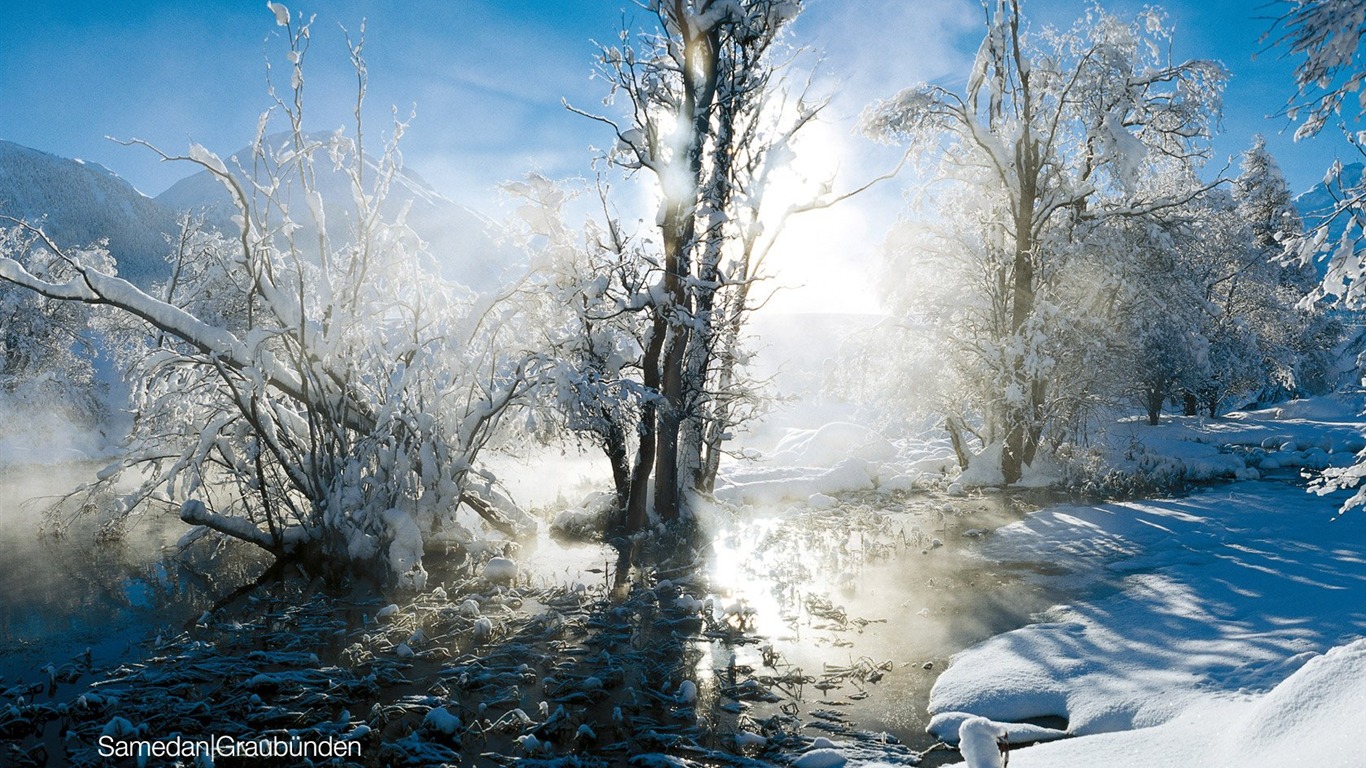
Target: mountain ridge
79 203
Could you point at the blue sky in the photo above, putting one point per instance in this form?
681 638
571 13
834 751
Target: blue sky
487 78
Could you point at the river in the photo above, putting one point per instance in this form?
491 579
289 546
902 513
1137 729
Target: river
803 624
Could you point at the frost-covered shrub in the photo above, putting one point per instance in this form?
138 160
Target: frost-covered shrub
322 395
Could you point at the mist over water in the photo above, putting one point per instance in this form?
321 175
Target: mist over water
61 594
894 584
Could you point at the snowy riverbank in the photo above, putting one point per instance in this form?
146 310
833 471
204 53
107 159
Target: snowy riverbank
1224 627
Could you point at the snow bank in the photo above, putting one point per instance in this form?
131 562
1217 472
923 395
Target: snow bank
984 469
1204 600
1312 718
771 486
1311 433
1015 733
819 464
1338 408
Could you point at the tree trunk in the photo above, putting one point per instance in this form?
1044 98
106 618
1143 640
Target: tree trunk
1019 419
637 513
679 235
705 405
670 417
614 445
719 420
1153 397
699 405
491 515
960 449
1190 405
1034 433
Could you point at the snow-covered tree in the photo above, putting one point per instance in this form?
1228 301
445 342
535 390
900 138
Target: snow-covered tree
1218 317
1309 335
1160 313
326 398
47 347
1053 131
707 116
589 282
1327 35
1214 316
1243 315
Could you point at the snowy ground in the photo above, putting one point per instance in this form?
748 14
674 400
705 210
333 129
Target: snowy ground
1224 627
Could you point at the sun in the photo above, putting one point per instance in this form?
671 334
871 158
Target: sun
822 256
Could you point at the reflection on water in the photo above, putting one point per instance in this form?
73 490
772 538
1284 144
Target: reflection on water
860 608
61 595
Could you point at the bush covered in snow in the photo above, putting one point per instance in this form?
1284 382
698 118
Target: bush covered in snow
328 398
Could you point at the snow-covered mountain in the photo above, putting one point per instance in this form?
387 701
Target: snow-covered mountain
1318 200
464 243
78 203
1315 204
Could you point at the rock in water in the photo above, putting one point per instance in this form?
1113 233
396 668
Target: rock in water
441 720
687 692
483 629
747 740
500 570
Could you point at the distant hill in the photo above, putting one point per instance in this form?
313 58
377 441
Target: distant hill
465 244
78 203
